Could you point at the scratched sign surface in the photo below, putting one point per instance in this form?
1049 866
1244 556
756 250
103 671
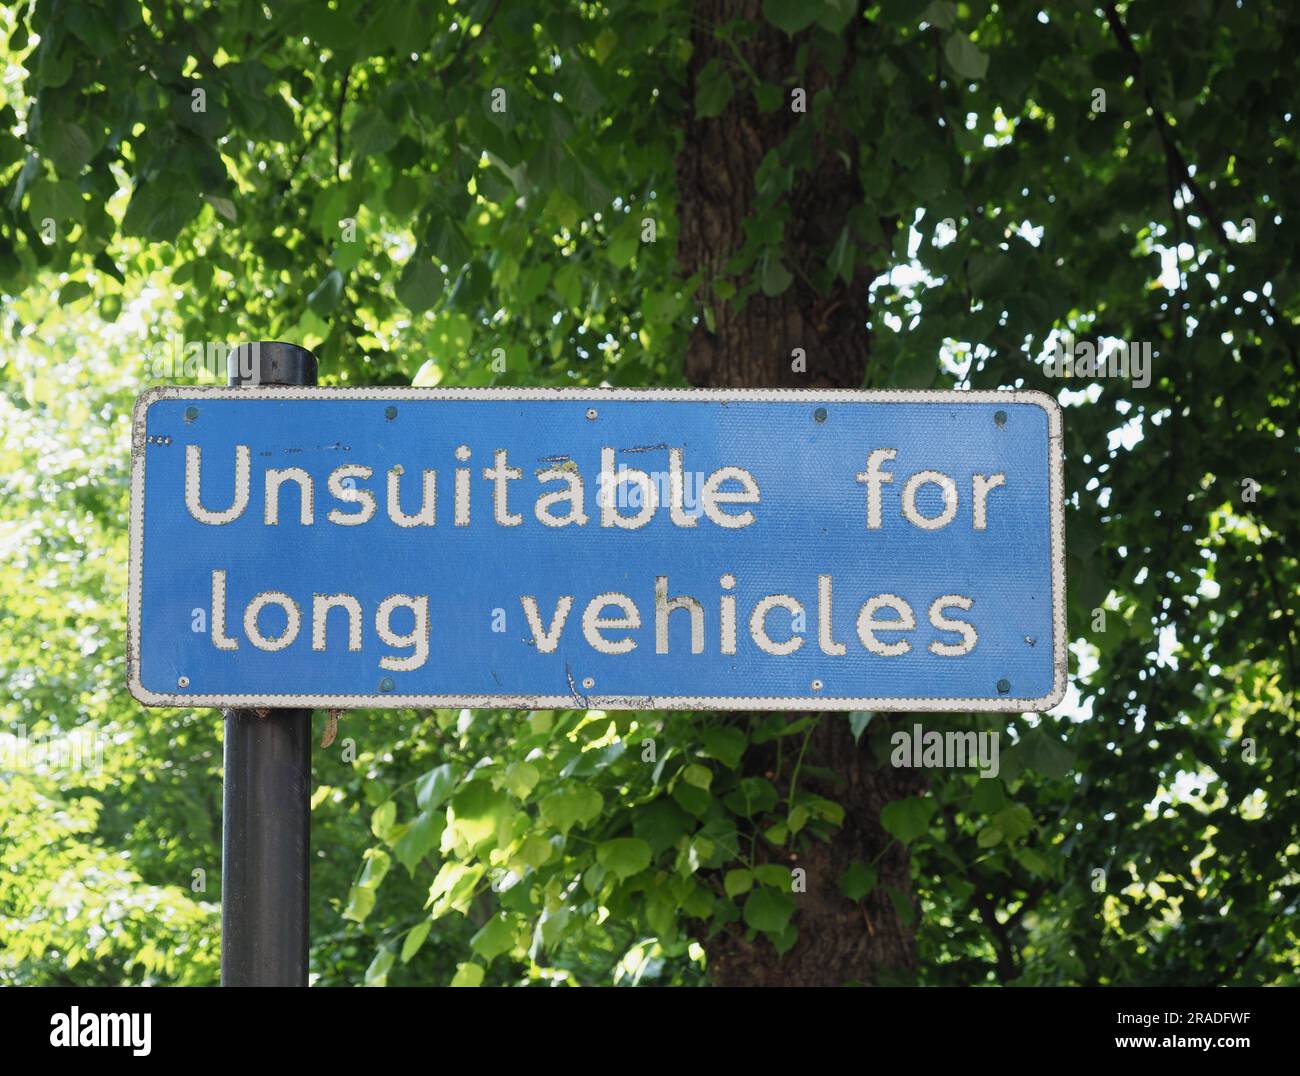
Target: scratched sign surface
601 549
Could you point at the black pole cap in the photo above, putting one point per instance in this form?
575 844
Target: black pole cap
270 362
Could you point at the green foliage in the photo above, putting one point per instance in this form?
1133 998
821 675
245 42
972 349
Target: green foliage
349 185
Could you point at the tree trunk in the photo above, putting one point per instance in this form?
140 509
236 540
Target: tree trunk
839 941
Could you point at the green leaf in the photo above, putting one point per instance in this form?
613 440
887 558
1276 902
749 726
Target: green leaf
908 818
377 973
574 806
371 134
775 276
420 284
857 880
468 975
902 906
791 15
414 939
68 146
521 778
435 786
1044 753
403 197
555 925
454 886
382 819
751 796
161 207
479 814
361 901
428 375
604 44
966 59
535 851
568 285
224 206
446 241
420 838
1015 822
660 824
767 97
72 291
622 249
497 936
915 369
692 799
1034 861
725 744
784 941
988 796
835 15
858 722
738 881
661 913
697 775
624 856
840 262
827 810
768 910
941 13
713 90
590 191
989 836
378 863
775 875
325 297
60 202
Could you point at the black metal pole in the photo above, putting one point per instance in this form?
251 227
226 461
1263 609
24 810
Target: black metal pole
266 827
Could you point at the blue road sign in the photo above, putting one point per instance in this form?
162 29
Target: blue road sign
601 549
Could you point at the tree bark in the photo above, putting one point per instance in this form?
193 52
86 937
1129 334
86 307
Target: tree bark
839 941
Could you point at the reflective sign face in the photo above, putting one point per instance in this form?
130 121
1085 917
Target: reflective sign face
619 550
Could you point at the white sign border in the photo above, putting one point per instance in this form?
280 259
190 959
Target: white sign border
579 700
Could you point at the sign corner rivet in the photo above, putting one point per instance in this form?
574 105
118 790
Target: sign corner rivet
592 412
816 685
588 683
386 684
191 413
1000 417
820 414
183 681
1004 686
390 412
